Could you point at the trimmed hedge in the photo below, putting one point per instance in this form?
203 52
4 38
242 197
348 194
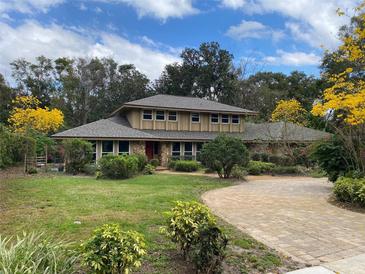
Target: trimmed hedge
257 167
118 167
285 170
186 165
350 190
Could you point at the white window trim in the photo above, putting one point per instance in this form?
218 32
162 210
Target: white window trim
229 120
172 147
191 117
164 116
151 114
168 116
239 120
106 153
192 148
129 147
210 118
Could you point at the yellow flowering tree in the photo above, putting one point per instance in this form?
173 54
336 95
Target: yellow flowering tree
343 102
27 114
289 111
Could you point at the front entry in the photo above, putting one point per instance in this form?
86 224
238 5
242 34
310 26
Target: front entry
149 150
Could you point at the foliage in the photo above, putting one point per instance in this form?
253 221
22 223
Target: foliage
27 114
154 162
111 250
209 250
350 190
36 253
289 111
223 153
171 164
142 161
118 167
78 153
332 157
149 169
207 72
257 167
186 165
14 146
279 170
32 170
239 172
7 95
260 156
42 141
90 169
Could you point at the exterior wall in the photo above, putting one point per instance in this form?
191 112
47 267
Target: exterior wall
137 147
183 123
165 153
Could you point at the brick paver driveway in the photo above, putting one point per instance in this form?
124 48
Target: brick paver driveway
293 216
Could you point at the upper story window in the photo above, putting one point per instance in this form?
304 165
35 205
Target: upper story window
123 147
225 119
235 119
172 116
214 118
160 115
195 117
147 114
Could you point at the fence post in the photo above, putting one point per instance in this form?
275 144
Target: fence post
25 163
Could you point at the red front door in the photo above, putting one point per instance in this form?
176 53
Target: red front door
149 150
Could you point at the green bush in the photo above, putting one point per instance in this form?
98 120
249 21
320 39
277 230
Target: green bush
260 156
78 153
32 170
111 250
350 190
186 165
257 167
89 169
154 162
36 253
239 172
149 169
171 164
223 153
118 167
192 226
285 170
142 161
281 160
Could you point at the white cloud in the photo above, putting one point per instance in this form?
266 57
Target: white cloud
253 29
162 9
297 58
32 39
314 22
27 6
234 4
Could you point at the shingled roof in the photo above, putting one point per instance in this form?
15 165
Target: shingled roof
184 103
117 127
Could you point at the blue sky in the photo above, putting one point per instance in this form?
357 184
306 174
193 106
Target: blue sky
274 35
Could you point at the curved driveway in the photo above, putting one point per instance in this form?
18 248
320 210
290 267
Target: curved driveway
292 215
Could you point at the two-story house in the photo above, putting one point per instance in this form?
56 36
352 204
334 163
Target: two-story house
165 126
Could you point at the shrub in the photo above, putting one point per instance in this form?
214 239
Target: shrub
260 156
111 250
36 253
223 153
184 222
257 167
32 170
171 164
154 162
149 169
285 170
210 249
142 161
239 172
89 169
349 190
78 153
186 165
118 167
281 160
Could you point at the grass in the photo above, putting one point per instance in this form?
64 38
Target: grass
70 208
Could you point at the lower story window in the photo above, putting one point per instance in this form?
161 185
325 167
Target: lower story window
175 152
188 151
123 147
107 147
93 143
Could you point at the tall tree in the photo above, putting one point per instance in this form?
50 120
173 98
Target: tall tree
7 95
207 72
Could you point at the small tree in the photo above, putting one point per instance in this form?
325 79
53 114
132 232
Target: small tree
223 153
78 153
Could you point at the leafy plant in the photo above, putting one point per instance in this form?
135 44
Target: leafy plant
36 253
142 161
78 153
154 162
90 169
257 167
285 170
118 167
239 172
350 190
111 250
149 169
186 165
223 153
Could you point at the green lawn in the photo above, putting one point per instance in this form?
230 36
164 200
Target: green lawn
53 204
